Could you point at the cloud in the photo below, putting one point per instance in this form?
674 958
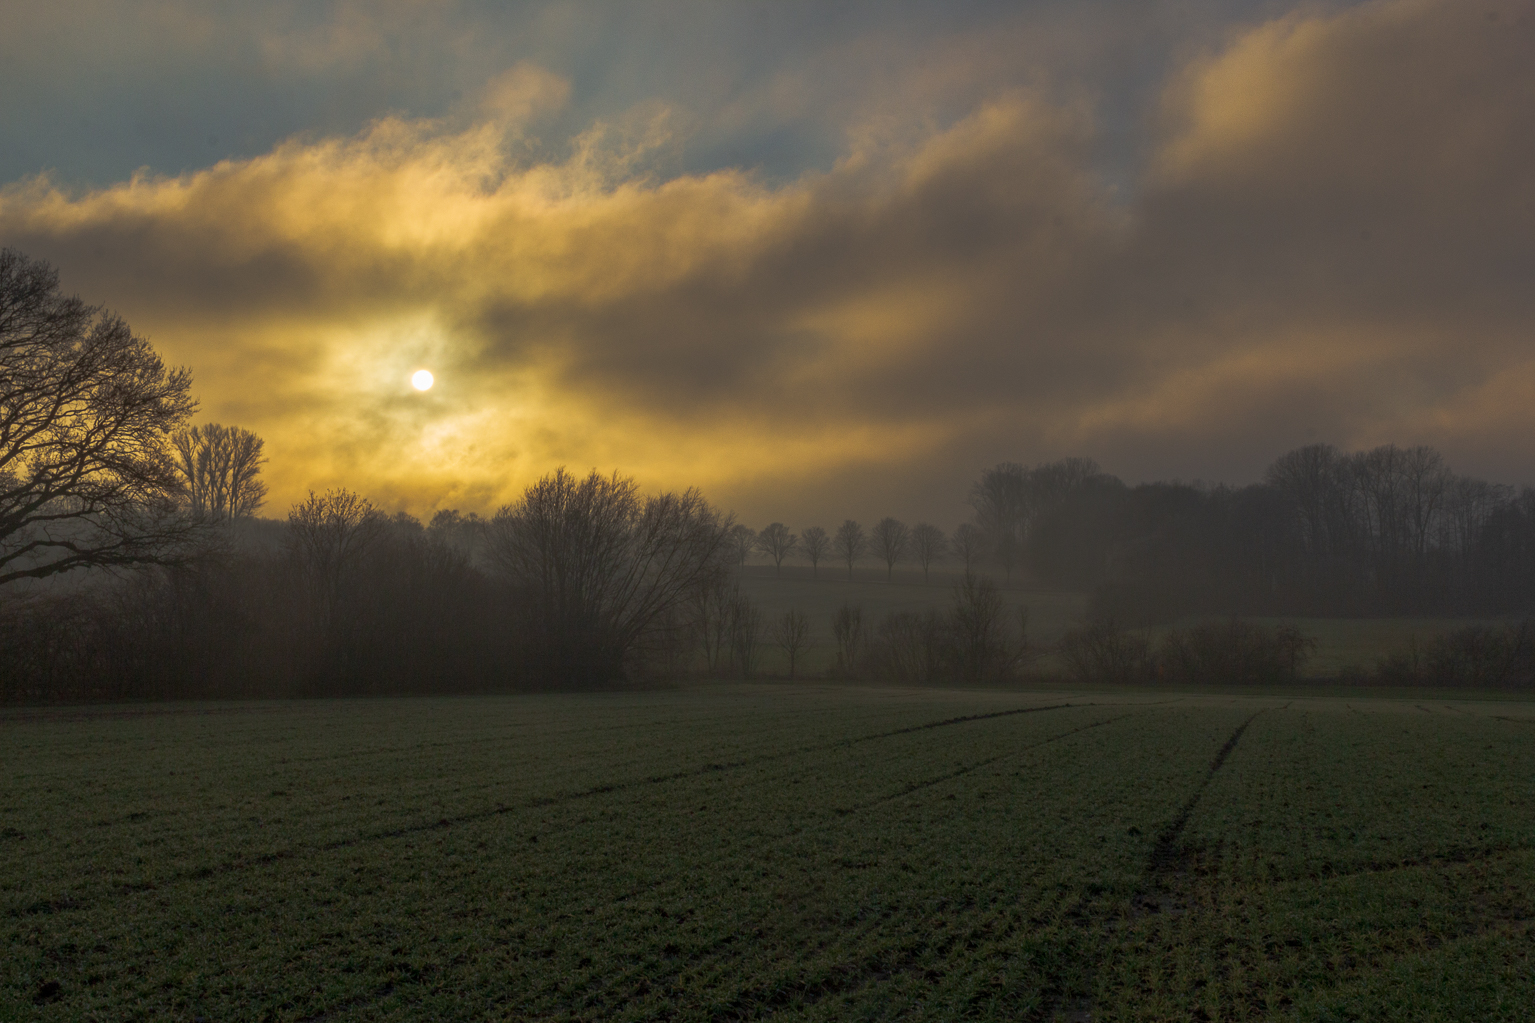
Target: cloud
1328 240
518 94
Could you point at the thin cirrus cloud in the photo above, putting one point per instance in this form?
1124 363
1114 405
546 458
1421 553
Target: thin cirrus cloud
1326 237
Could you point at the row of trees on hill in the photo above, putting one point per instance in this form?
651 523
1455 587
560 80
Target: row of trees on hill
890 541
1390 530
1386 531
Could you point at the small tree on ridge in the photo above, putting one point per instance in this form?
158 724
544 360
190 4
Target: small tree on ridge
814 544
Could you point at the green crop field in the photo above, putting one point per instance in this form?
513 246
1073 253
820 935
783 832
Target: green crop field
794 852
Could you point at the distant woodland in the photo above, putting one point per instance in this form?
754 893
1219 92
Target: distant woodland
134 562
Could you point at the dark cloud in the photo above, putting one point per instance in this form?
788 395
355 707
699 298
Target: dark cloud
1321 232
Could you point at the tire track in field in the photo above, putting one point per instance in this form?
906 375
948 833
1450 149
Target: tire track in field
557 798
961 772
1166 855
1455 856
844 980
541 802
779 996
1169 850
798 830
70 715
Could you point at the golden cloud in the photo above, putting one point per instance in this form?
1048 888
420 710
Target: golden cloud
1331 235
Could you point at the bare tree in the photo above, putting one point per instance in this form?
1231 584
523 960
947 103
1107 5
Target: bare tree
329 534
911 647
928 544
601 566
220 467
967 544
1426 483
847 630
985 646
1002 503
745 632
891 542
1312 478
792 634
814 544
1468 506
777 543
1053 482
463 533
850 544
742 541
1401 491
86 408
707 610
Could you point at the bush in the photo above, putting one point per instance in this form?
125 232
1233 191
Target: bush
1476 656
976 641
915 648
1103 652
1232 652
1218 653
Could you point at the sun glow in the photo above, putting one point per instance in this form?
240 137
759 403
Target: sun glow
422 380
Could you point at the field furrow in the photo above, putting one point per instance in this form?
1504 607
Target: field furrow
795 854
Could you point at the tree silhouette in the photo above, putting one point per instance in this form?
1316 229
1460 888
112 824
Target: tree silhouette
791 631
814 544
847 631
745 625
967 544
850 544
221 469
329 534
891 541
742 540
602 567
777 543
1003 503
86 407
928 544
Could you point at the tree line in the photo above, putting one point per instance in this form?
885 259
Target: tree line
1388 531
890 542
586 580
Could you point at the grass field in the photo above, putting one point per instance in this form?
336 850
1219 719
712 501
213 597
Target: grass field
1051 612
794 852
1341 642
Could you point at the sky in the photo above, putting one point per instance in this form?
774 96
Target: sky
819 260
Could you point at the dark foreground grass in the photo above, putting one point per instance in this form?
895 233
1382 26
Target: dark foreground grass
800 853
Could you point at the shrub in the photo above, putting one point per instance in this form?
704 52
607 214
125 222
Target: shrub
1473 656
1103 652
1235 651
1480 655
977 641
912 647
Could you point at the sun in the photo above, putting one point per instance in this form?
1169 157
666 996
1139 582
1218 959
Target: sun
422 380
